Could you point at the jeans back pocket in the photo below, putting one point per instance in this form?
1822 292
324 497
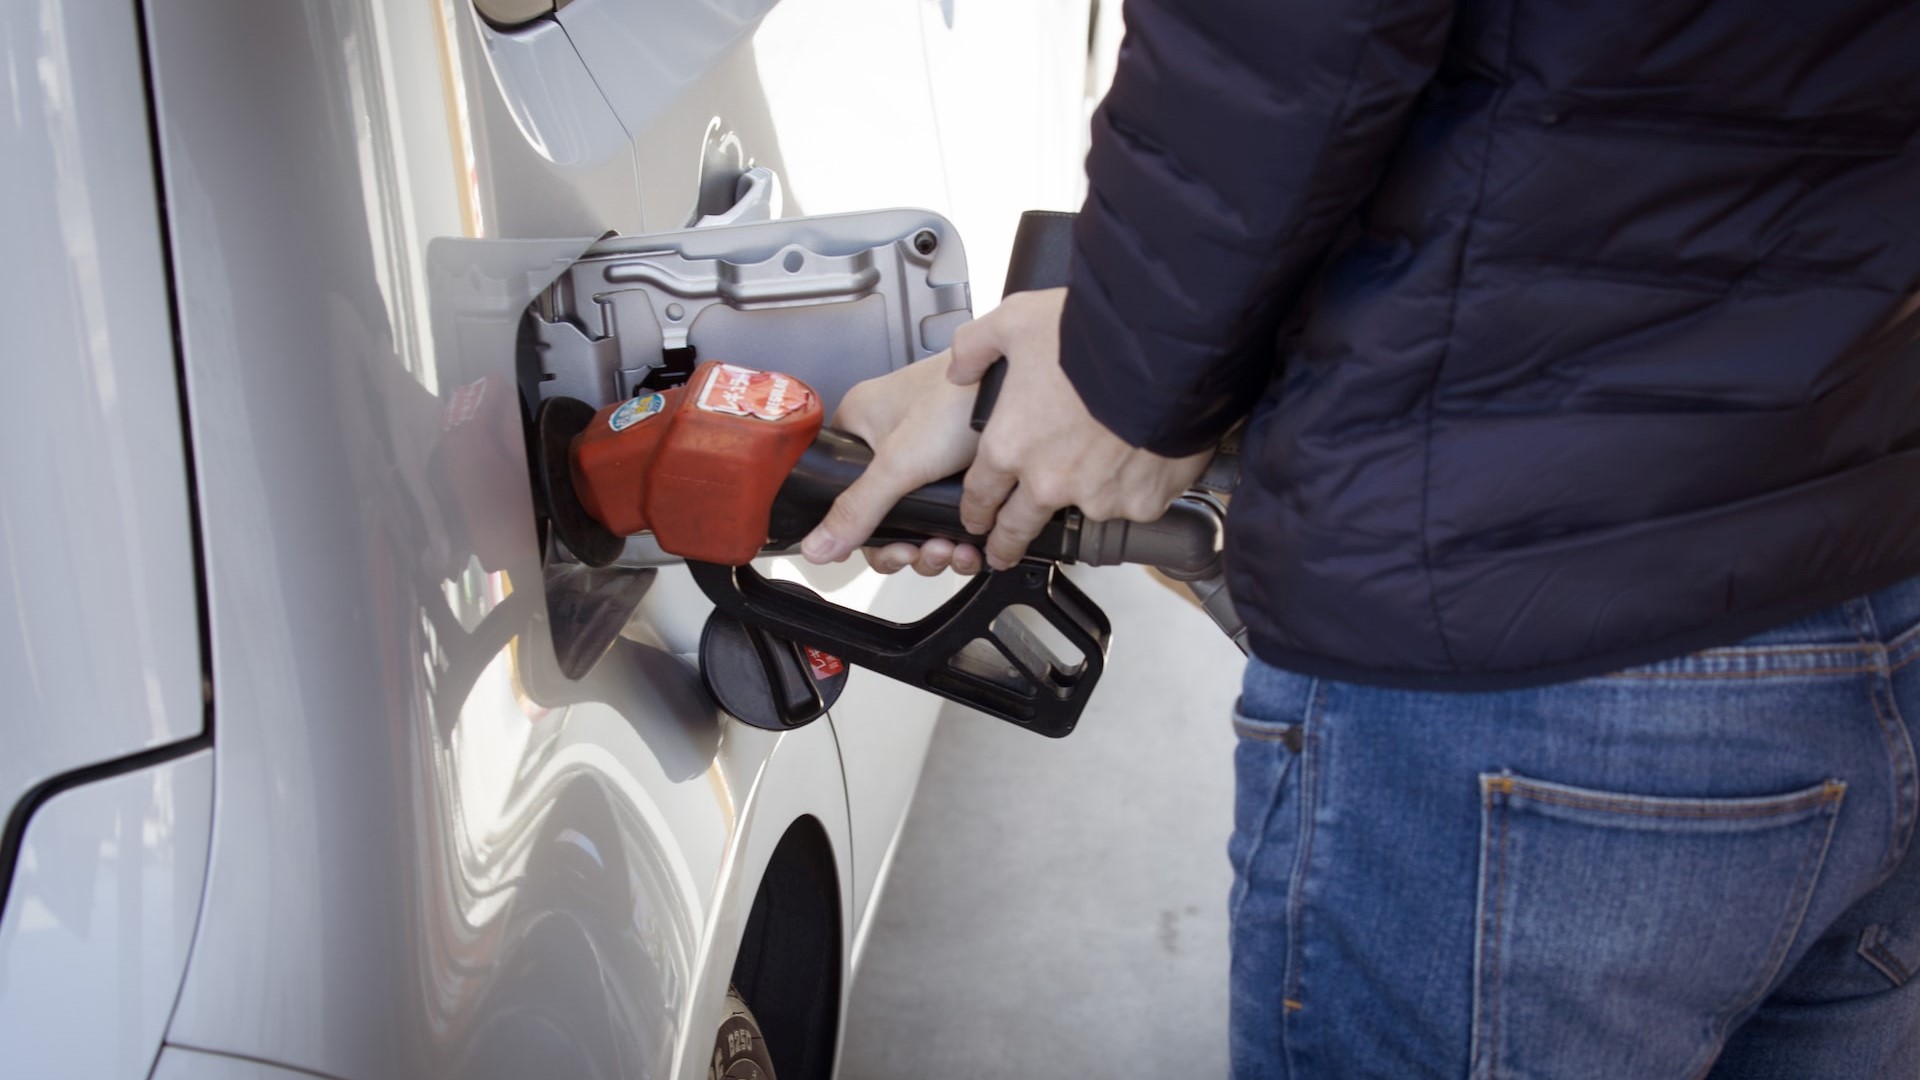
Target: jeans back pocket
1620 935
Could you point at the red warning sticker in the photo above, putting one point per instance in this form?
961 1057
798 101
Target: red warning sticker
824 665
764 395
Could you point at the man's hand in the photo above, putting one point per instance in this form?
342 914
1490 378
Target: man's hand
1043 450
918 425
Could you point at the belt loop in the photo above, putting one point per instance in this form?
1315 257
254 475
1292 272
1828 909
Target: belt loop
1868 627
1860 613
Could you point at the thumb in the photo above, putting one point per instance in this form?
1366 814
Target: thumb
975 347
853 516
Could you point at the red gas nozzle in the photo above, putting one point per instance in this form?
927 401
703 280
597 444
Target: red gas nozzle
699 465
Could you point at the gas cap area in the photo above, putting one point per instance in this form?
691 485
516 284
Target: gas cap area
607 351
766 680
830 300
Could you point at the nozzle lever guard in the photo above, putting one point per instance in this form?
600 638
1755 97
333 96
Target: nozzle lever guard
977 648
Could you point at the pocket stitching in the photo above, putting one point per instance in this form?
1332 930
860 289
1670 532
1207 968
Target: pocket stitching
1662 807
1489 793
1498 795
1810 866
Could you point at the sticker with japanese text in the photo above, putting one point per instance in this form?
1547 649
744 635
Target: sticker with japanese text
825 665
764 395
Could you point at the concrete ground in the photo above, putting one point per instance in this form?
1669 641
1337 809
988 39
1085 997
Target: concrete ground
1058 908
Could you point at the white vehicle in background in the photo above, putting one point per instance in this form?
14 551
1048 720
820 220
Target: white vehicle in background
320 759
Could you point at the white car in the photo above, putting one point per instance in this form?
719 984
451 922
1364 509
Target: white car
321 758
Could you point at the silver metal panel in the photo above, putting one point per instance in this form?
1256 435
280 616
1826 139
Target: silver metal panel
833 300
99 638
95 938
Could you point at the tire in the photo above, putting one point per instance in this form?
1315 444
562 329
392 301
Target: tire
739 1050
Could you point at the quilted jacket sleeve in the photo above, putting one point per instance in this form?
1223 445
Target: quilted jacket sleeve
1237 137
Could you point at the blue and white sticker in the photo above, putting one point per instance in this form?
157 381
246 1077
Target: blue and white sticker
635 411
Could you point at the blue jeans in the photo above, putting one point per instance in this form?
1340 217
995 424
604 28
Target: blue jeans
1699 868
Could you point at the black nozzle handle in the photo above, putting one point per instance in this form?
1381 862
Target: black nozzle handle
985 398
1042 252
1186 541
1042 258
974 649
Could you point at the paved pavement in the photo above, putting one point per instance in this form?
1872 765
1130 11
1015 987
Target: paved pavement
1058 908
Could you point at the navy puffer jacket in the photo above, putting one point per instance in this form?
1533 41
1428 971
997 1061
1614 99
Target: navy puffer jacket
1575 334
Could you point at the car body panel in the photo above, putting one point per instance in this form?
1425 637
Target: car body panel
399 774
646 56
431 853
434 854
551 95
101 915
100 648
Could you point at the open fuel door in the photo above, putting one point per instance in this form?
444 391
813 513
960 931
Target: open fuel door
831 301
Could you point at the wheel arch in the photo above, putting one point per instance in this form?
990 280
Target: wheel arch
790 964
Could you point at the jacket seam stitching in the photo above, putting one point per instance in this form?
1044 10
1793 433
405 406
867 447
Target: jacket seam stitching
1724 130
1766 278
1446 350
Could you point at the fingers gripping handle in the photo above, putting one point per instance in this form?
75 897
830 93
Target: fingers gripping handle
836 460
1186 541
972 650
